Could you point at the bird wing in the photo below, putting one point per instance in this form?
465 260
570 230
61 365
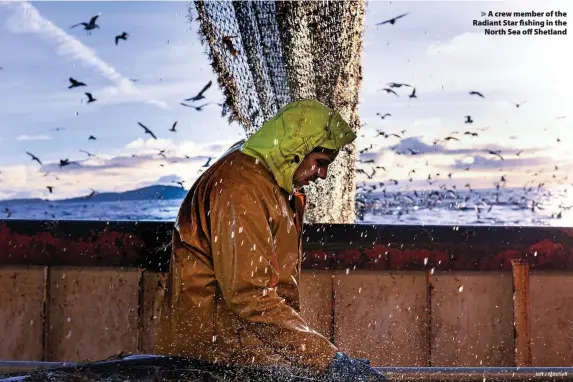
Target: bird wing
93 19
116 39
150 133
402 15
205 88
75 25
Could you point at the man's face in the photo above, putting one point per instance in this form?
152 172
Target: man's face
314 166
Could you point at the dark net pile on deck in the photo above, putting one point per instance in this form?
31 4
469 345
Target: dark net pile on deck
266 54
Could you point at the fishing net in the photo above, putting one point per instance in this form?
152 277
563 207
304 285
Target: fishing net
266 54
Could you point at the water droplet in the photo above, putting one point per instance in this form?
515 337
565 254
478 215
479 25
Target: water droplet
432 271
276 141
240 229
214 338
425 260
359 289
460 288
216 238
233 235
535 254
347 270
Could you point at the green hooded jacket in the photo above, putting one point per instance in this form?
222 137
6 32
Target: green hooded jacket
295 131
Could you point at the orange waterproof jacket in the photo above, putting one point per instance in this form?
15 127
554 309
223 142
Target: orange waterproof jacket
232 291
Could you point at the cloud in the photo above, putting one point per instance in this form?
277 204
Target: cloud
479 162
27 19
33 138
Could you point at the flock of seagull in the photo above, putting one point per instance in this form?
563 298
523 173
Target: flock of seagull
365 189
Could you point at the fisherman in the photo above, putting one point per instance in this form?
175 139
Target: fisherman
232 292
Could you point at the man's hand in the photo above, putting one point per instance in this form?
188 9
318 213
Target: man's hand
344 368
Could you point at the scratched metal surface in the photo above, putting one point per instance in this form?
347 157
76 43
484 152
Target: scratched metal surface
336 246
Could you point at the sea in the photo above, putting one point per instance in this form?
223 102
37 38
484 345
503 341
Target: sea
505 207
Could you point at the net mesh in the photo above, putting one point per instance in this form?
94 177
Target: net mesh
266 54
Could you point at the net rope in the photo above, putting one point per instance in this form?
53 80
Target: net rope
266 54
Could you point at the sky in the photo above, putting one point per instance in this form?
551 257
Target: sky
435 48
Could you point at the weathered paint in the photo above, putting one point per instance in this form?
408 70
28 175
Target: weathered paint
334 247
521 313
551 310
472 319
151 298
93 313
382 316
21 299
316 300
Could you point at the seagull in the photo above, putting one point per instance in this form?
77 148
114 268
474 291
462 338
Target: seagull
87 153
469 119
200 95
173 127
473 92
392 21
92 138
65 162
471 133
147 131
50 188
198 108
90 97
518 104
75 83
397 85
207 163
384 116
34 157
122 36
91 194
88 26
388 90
413 95
496 153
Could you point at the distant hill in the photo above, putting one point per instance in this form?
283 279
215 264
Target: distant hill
145 193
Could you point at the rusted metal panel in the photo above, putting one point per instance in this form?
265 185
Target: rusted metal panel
382 316
316 300
551 318
21 302
152 296
93 313
521 313
336 246
472 319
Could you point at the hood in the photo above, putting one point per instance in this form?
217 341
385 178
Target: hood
296 130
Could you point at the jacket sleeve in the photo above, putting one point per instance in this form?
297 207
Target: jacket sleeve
245 262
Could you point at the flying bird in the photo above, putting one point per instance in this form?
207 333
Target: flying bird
388 90
473 92
34 157
518 104
122 36
200 95
207 164
496 153
469 119
397 85
147 131
471 133
92 138
50 188
451 139
90 97
64 162
75 83
198 108
413 94
88 27
173 127
87 153
384 116
392 21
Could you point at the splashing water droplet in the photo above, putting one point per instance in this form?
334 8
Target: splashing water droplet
425 260
432 271
460 288
535 254
347 270
216 238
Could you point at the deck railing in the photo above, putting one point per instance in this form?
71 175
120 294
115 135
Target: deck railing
407 296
